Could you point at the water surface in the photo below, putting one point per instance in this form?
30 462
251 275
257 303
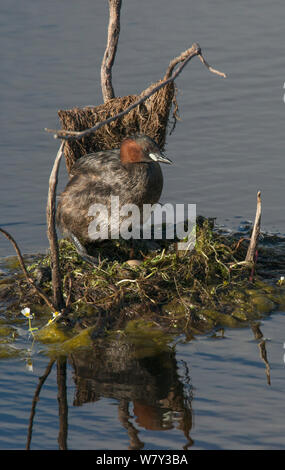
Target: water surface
228 145
230 141
211 393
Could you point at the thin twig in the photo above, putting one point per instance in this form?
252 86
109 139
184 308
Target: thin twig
183 56
24 269
211 69
195 50
51 232
241 240
68 299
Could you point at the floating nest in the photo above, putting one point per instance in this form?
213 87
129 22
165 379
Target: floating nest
150 118
177 292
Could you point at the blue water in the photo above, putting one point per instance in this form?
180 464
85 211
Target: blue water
228 145
230 141
232 404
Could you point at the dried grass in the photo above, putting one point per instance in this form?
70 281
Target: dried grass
150 118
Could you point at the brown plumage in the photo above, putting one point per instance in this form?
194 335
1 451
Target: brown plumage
132 173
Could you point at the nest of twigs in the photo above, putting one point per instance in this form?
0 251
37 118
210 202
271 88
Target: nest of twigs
182 292
150 118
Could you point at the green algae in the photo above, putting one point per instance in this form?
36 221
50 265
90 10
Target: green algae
147 338
58 343
6 281
10 352
262 304
51 334
7 332
12 263
81 340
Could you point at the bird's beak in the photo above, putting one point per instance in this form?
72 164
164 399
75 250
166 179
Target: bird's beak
160 157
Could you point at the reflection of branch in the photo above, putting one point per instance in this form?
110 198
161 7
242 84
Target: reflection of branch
42 380
262 349
62 403
22 264
263 355
186 56
124 416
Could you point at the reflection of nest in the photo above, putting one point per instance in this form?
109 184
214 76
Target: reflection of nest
113 371
150 118
151 383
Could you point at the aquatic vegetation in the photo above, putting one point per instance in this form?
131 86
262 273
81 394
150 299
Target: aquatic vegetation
179 292
27 314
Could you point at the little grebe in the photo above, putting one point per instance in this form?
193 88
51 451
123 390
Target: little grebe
131 172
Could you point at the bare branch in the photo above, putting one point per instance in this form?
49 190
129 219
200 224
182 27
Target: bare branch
211 69
24 269
111 48
183 56
51 232
195 50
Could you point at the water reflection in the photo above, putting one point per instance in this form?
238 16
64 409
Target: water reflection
151 384
258 335
153 390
